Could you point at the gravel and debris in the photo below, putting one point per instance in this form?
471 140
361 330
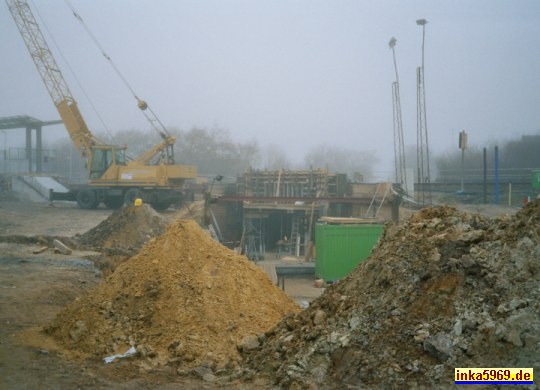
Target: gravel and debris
444 289
125 231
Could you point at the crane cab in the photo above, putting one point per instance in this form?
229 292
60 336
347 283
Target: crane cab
103 157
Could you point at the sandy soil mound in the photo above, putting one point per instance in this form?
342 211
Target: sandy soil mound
193 210
183 300
446 289
125 231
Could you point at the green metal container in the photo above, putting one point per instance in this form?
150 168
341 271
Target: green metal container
535 179
340 248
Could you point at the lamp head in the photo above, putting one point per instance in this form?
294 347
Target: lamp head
392 42
421 22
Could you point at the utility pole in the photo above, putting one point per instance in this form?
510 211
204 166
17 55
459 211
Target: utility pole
399 146
422 153
463 146
496 175
485 176
4 155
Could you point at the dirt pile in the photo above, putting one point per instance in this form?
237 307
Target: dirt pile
193 210
125 231
446 289
184 300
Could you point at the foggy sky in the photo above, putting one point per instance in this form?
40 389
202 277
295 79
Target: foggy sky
292 73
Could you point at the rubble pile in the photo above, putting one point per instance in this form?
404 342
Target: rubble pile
125 231
445 289
184 300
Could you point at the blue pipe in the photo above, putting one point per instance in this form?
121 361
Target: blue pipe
496 175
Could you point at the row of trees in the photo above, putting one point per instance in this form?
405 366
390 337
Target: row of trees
213 151
518 154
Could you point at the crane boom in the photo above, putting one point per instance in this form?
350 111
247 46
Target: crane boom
52 77
113 179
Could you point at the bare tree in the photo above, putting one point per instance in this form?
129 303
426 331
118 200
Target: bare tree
342 160
274 158
214 152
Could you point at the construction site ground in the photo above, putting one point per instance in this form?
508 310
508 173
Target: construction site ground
35 287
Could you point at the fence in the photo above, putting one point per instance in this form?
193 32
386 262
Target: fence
511 187
65 164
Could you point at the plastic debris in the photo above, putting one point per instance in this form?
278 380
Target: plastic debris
130 352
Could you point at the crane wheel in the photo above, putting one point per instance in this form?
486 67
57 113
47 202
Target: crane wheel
114 202
86 199
131 195
161 206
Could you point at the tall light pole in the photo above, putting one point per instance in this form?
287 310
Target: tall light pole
4 157
399 147
424 175
463 146
422 22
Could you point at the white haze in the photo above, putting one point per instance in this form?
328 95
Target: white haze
294 74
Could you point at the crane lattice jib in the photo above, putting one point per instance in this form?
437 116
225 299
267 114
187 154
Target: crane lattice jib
52 76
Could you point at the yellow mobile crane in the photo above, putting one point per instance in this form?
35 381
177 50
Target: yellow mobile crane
113 178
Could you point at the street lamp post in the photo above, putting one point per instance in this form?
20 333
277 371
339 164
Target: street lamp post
463 146
422 129
392 44
399 148
422 22
5 152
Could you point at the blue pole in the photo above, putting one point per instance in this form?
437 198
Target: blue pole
485 176
496 175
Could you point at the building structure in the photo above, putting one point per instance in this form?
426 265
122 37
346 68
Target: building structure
276 211
33 156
